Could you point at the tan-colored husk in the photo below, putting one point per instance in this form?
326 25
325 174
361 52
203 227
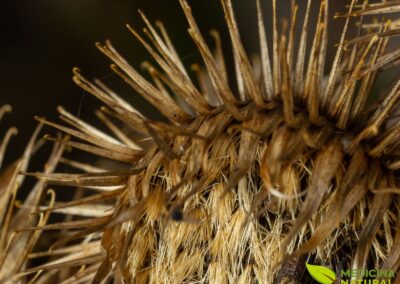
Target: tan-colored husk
238 186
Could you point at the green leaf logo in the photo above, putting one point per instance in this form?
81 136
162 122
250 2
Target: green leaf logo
322 274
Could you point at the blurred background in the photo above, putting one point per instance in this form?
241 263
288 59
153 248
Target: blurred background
43 40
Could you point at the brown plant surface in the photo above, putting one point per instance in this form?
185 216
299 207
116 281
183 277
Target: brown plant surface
239 184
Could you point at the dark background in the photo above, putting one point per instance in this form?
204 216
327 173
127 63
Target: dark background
42 40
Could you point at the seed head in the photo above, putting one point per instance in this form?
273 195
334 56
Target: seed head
243 183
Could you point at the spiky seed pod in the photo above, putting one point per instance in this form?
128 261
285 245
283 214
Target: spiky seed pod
237 187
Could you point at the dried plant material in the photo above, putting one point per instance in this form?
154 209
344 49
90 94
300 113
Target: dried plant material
233 187
15 246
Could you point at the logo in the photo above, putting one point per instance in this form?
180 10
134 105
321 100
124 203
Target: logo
325 275
321 274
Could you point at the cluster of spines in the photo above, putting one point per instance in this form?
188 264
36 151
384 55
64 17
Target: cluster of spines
292 108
